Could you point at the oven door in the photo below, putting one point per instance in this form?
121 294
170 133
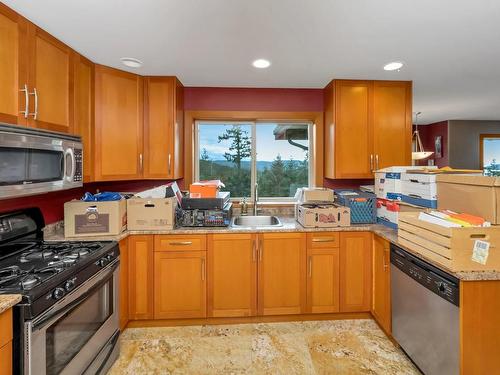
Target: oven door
33 164
79 332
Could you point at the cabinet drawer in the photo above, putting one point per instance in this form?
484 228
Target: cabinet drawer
322 240
5 327
180 242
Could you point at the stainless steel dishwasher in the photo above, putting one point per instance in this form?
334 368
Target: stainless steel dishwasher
425 313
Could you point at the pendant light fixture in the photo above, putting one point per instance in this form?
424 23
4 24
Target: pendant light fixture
419 153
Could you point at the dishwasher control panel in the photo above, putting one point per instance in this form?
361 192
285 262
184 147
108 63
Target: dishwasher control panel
439 282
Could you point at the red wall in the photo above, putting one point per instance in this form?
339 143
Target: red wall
428 134
252 99
52 204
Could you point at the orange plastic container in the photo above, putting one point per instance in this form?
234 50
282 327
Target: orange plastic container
203 191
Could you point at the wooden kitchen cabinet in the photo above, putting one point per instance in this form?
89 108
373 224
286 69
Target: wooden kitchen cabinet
355 271
163 128
118 125
6 325
381 308
84 112
281 273
392 123
124 280
140 278
13 66
180 284
51 80
323 280
367 127
232 275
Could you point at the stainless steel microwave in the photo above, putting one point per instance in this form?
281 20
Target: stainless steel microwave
34 161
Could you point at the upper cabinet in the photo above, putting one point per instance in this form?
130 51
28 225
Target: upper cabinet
367 127
84 112
36 75
14 92
163 128
50 75
118 125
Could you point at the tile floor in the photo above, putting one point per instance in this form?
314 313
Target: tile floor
314 347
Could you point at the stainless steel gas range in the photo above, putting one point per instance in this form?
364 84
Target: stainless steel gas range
67 321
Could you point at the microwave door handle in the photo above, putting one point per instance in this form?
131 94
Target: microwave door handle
69 151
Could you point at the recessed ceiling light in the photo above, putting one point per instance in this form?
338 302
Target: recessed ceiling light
395 65
261 63
131 62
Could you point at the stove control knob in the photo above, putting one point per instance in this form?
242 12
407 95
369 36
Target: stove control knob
69 285
58 293
103 262
442 287
109 257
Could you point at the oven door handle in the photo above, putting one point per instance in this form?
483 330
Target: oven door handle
50 315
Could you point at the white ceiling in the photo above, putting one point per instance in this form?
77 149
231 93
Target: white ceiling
451 47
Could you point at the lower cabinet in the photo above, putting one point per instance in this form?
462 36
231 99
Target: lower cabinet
124 273
381 308
355 271
282 273
6 342
180 284
140 282
232 275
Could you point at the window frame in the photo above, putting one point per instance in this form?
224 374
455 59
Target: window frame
253 179
482 137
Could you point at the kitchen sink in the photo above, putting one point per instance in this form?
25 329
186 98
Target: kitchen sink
256 221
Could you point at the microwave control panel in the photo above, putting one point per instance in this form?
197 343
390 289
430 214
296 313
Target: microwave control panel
78 165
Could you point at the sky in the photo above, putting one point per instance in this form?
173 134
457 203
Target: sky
491 150
267 147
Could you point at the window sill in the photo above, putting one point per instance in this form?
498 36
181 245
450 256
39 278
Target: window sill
267 204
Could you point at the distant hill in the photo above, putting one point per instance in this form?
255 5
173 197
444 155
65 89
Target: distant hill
261 164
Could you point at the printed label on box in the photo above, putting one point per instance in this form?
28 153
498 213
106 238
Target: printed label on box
480 251
91 223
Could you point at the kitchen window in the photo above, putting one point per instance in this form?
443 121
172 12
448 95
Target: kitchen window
489 146
276 155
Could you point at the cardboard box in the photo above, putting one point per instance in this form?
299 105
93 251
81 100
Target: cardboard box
388 181
205 189
420 189
454 248
475 195
305 195
151 213
388 211
323 216
87 219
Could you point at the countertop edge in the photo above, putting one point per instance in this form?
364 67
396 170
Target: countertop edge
8 300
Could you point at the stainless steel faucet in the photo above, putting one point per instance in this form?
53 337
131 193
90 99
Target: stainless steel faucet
255 198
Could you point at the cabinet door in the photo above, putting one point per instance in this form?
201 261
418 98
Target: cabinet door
178 156
381 283
118 125
355 271
6 359
392 123
50 81
140 282
124 271
84 112
232 275
180 285
353 129
282 273
13 67
159 141
323 280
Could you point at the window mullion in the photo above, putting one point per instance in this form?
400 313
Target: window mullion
253 178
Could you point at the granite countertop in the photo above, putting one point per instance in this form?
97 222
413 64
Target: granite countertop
56 233
8 300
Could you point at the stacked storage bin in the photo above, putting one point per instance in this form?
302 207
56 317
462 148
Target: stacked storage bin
363 205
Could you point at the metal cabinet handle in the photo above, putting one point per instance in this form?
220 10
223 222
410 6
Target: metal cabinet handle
203 269
254 251
384 260
35 94
310 266
261 250
376 162
26 101
181 243
371 162
169 164
141 162
325 239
